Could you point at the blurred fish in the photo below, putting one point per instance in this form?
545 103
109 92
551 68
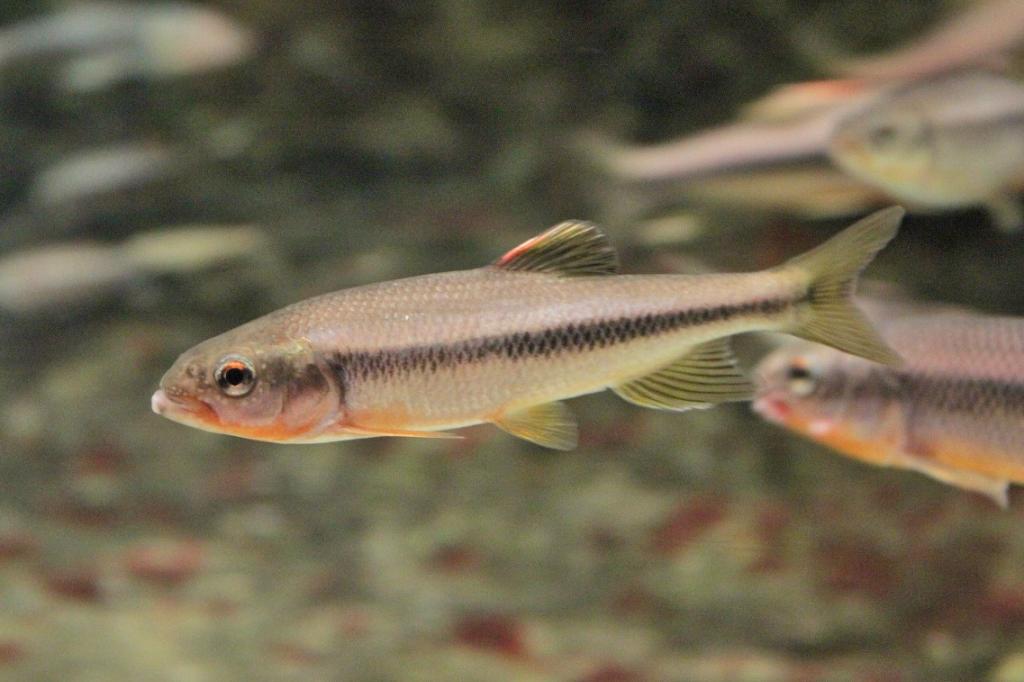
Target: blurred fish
102 171
107 42
810 190
979 36
775 159
794 100
954 410
947 142
184 249
505 343
71 274
724 149
60 275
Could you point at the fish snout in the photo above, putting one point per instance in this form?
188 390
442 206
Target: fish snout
168 403
159 402
772 408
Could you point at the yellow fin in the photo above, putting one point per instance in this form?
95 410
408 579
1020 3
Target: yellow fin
549 424
571 249
831 271
706 375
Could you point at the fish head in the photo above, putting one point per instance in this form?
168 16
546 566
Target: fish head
889 147
267 387
807 388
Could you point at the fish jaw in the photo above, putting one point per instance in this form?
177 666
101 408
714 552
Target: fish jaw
770 408
829 431
199 415
187 411
899 176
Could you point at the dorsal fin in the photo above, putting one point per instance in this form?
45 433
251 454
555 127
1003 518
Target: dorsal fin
571 249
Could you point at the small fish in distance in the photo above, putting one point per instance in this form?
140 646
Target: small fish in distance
954 410
505 343
104 43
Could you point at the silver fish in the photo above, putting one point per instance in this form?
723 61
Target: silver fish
504 344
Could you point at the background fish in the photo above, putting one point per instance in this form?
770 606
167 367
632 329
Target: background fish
107 42
70 275
101 171
954 410
504 344
952 141
980 35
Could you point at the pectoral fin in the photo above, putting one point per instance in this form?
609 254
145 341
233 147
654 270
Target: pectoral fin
706 375
549 424
1006 212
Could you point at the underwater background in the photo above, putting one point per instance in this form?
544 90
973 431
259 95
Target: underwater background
363 141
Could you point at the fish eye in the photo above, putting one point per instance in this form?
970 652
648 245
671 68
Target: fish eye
235 376
883 135
800 379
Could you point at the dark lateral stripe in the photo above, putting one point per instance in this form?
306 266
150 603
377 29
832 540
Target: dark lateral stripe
981 397
542 343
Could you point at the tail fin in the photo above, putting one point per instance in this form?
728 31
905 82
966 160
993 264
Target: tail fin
831 271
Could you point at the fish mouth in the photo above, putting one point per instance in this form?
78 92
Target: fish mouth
180 408
772 408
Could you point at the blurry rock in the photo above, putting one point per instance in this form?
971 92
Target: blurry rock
498 633
16 537
167 563
79 583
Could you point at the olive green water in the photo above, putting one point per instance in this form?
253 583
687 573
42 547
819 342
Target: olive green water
373 140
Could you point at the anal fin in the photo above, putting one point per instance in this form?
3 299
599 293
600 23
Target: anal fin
549 424
707 375
996 489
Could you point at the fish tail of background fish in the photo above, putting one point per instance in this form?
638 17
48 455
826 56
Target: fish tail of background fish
830 272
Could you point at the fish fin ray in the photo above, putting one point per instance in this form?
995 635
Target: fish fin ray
706 375
549 424
832 270
573 248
